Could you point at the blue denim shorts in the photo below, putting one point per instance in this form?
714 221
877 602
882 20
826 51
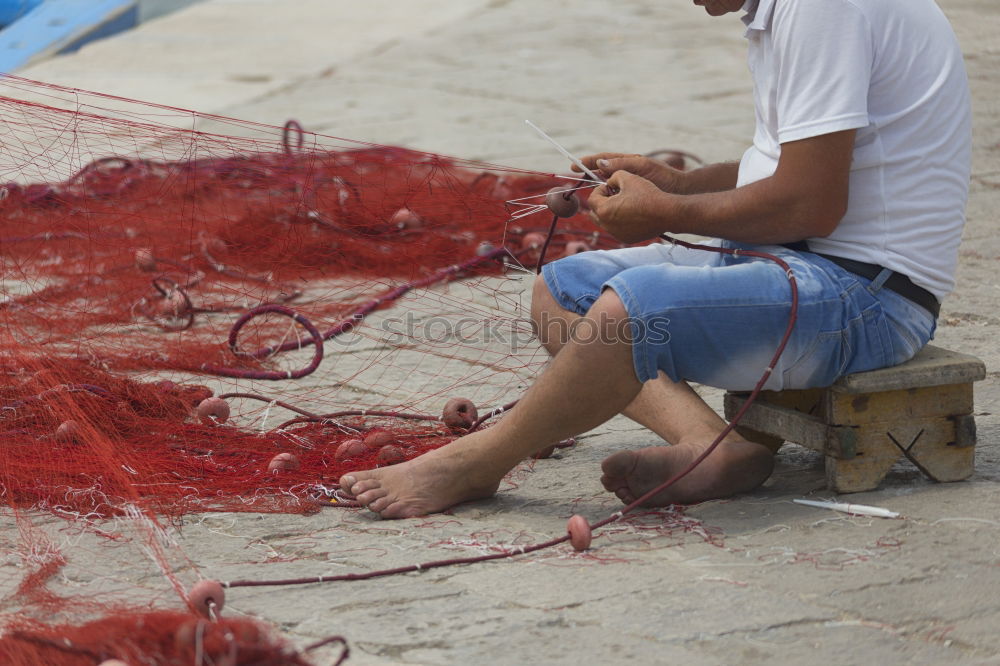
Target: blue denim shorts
717 319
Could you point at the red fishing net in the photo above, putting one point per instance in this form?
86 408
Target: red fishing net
203 314
165 638
152 259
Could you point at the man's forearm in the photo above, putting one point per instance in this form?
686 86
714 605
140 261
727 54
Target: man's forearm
806 196
758 213
771 210
710 178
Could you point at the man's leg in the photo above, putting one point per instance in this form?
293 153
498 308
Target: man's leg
677 414
584 386
671 410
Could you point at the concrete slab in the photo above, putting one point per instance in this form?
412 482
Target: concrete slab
215 55
753 580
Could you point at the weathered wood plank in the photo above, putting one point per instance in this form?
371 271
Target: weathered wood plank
807 401
886 406
945 463
778 421
770 441
928 445
932 366
862 472
863 424
965 430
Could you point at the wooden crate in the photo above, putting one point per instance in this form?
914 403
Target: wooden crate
920 410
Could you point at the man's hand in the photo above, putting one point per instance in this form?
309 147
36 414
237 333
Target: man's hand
710 178
605 164
631 208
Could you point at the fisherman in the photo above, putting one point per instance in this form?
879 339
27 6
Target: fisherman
857 178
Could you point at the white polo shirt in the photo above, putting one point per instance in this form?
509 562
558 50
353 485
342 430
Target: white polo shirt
891 69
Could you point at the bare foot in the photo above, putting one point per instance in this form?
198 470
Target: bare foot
733 467
430 483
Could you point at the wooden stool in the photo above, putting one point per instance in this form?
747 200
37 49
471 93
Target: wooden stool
921 409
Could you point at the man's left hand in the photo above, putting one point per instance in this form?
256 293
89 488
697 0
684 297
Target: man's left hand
631 208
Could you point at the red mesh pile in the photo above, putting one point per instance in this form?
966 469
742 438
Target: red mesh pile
80 440
153 257
162 638
129 263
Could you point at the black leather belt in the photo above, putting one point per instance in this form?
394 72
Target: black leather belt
897 282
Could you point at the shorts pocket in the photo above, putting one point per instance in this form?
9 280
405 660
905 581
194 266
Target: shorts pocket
821 364
868 345
903 343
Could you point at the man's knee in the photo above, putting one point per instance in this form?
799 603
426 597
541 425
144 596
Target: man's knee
610 305
607 320
541 301
545 312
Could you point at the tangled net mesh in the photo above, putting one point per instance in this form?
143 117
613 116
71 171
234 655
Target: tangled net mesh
145 638
326 289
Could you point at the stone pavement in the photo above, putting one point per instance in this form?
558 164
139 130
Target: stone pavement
758 580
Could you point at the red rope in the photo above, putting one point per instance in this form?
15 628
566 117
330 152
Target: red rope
545 245
320 418
346 325
279 403
618 515
315 337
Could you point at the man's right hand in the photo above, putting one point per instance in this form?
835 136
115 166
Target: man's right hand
664 177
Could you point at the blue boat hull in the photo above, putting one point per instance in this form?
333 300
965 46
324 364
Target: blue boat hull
50 27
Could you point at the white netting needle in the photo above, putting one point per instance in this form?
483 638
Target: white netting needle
856 509
565 153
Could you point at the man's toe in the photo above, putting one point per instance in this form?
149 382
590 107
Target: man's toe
625 495
619 465
365 485
397 509
366 497
347 481
379 505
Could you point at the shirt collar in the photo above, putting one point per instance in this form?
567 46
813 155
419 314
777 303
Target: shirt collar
758 14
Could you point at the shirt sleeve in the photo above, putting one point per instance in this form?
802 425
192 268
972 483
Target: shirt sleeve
823 57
